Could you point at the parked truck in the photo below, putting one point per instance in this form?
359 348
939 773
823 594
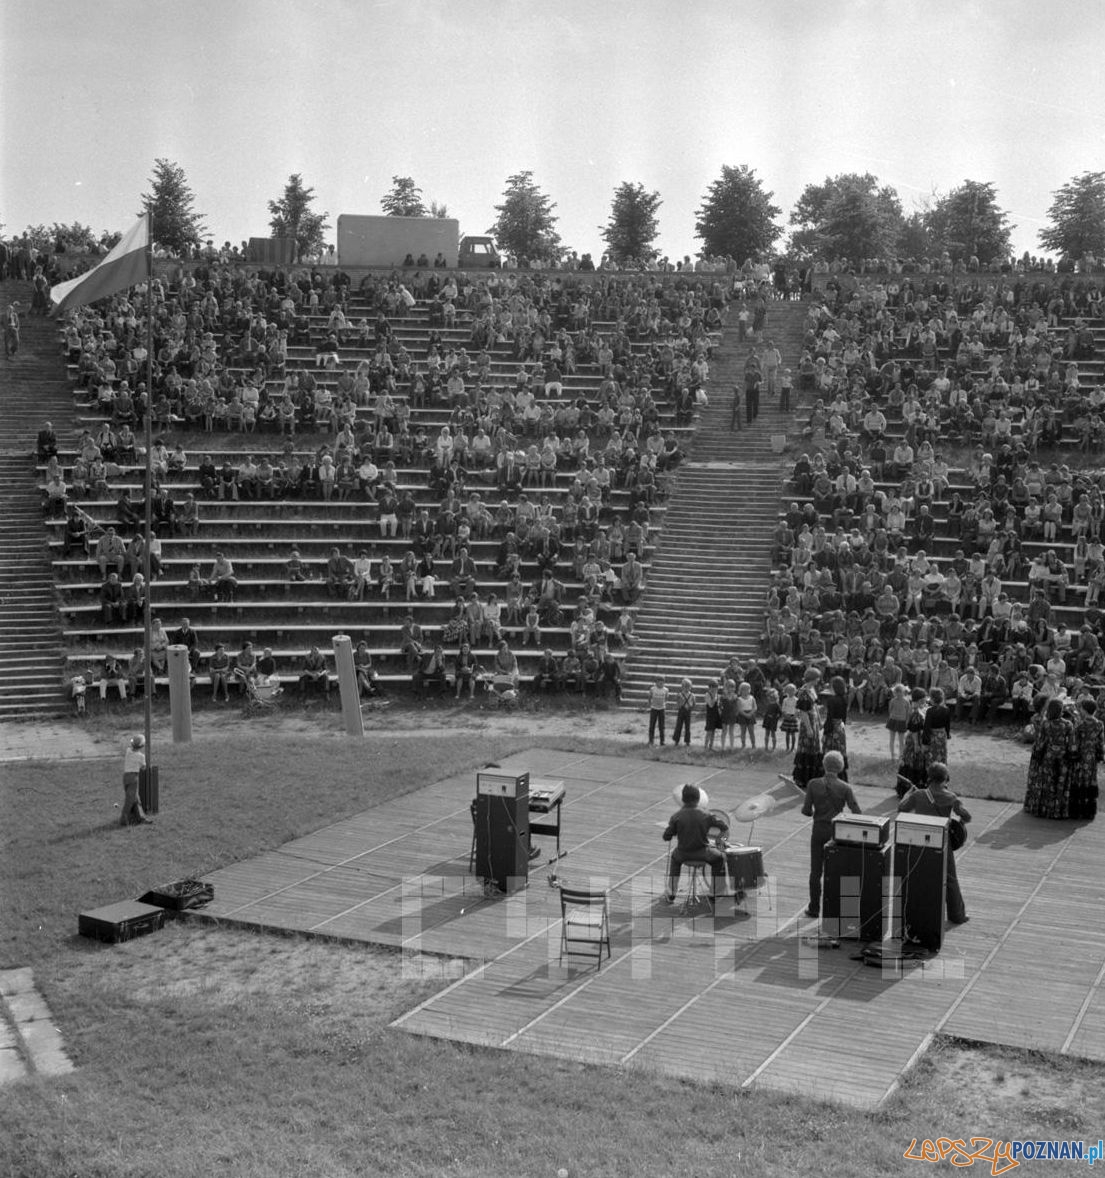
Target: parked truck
388 241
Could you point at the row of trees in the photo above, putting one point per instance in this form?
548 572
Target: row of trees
847 216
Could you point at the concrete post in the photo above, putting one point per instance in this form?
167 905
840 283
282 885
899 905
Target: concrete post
347 683
180 694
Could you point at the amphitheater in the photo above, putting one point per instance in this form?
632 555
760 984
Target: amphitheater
740 543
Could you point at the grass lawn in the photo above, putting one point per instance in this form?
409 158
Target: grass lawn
204 1051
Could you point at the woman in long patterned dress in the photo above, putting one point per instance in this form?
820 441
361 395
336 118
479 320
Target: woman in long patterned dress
1048 792
911 768
937 729
1086 754
807 755
835 737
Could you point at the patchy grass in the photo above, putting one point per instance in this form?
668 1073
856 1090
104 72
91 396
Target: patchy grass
205 1051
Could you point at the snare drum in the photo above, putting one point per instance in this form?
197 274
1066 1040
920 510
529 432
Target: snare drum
746 867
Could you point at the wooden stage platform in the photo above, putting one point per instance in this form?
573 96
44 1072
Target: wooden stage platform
747 1000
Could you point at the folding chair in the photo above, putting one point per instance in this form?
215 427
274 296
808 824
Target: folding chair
584 923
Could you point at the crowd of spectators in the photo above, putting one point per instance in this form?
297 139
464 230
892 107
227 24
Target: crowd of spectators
893 567
221 336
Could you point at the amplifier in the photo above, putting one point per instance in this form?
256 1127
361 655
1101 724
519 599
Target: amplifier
920 830
861 828
120 922
502 785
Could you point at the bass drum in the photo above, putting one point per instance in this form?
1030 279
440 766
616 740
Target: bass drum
746 867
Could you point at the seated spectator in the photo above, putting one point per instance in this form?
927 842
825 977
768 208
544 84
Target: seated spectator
314 675
159 647
219 668
430 669
113 673
111 551
111 601
224 584
368 681
244 671
76 533
185 636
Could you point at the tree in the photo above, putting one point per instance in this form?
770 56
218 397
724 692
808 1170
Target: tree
292 217
915 239
438 210
633 226
736 218
404 199
1077 216
968 223
176 225
849 216
526 226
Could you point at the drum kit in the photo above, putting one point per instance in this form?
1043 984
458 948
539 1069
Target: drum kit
745 862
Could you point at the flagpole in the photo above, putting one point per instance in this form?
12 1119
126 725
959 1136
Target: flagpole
147 694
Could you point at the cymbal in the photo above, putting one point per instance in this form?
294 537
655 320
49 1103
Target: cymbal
703 797
753 808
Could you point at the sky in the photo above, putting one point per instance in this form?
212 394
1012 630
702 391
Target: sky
585 94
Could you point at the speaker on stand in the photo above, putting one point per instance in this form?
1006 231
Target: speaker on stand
919 881
856 864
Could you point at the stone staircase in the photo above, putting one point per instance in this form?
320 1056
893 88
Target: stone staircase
703 599
33 389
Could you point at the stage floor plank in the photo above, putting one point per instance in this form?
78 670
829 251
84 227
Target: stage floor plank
747 999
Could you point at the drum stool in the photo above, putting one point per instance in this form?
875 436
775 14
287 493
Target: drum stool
699 884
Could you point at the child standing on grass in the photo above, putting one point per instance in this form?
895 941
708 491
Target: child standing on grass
657 702
788 709
685 702
897 719
772 714
727 707
746 714
713 714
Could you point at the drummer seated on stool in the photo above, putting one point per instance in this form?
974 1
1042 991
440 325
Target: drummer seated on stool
690 827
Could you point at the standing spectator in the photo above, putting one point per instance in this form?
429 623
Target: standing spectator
753 378
735 411
685 703
788 708
897 719
713 714
771 716
657 703
134 764
770 363
11 330
746 714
